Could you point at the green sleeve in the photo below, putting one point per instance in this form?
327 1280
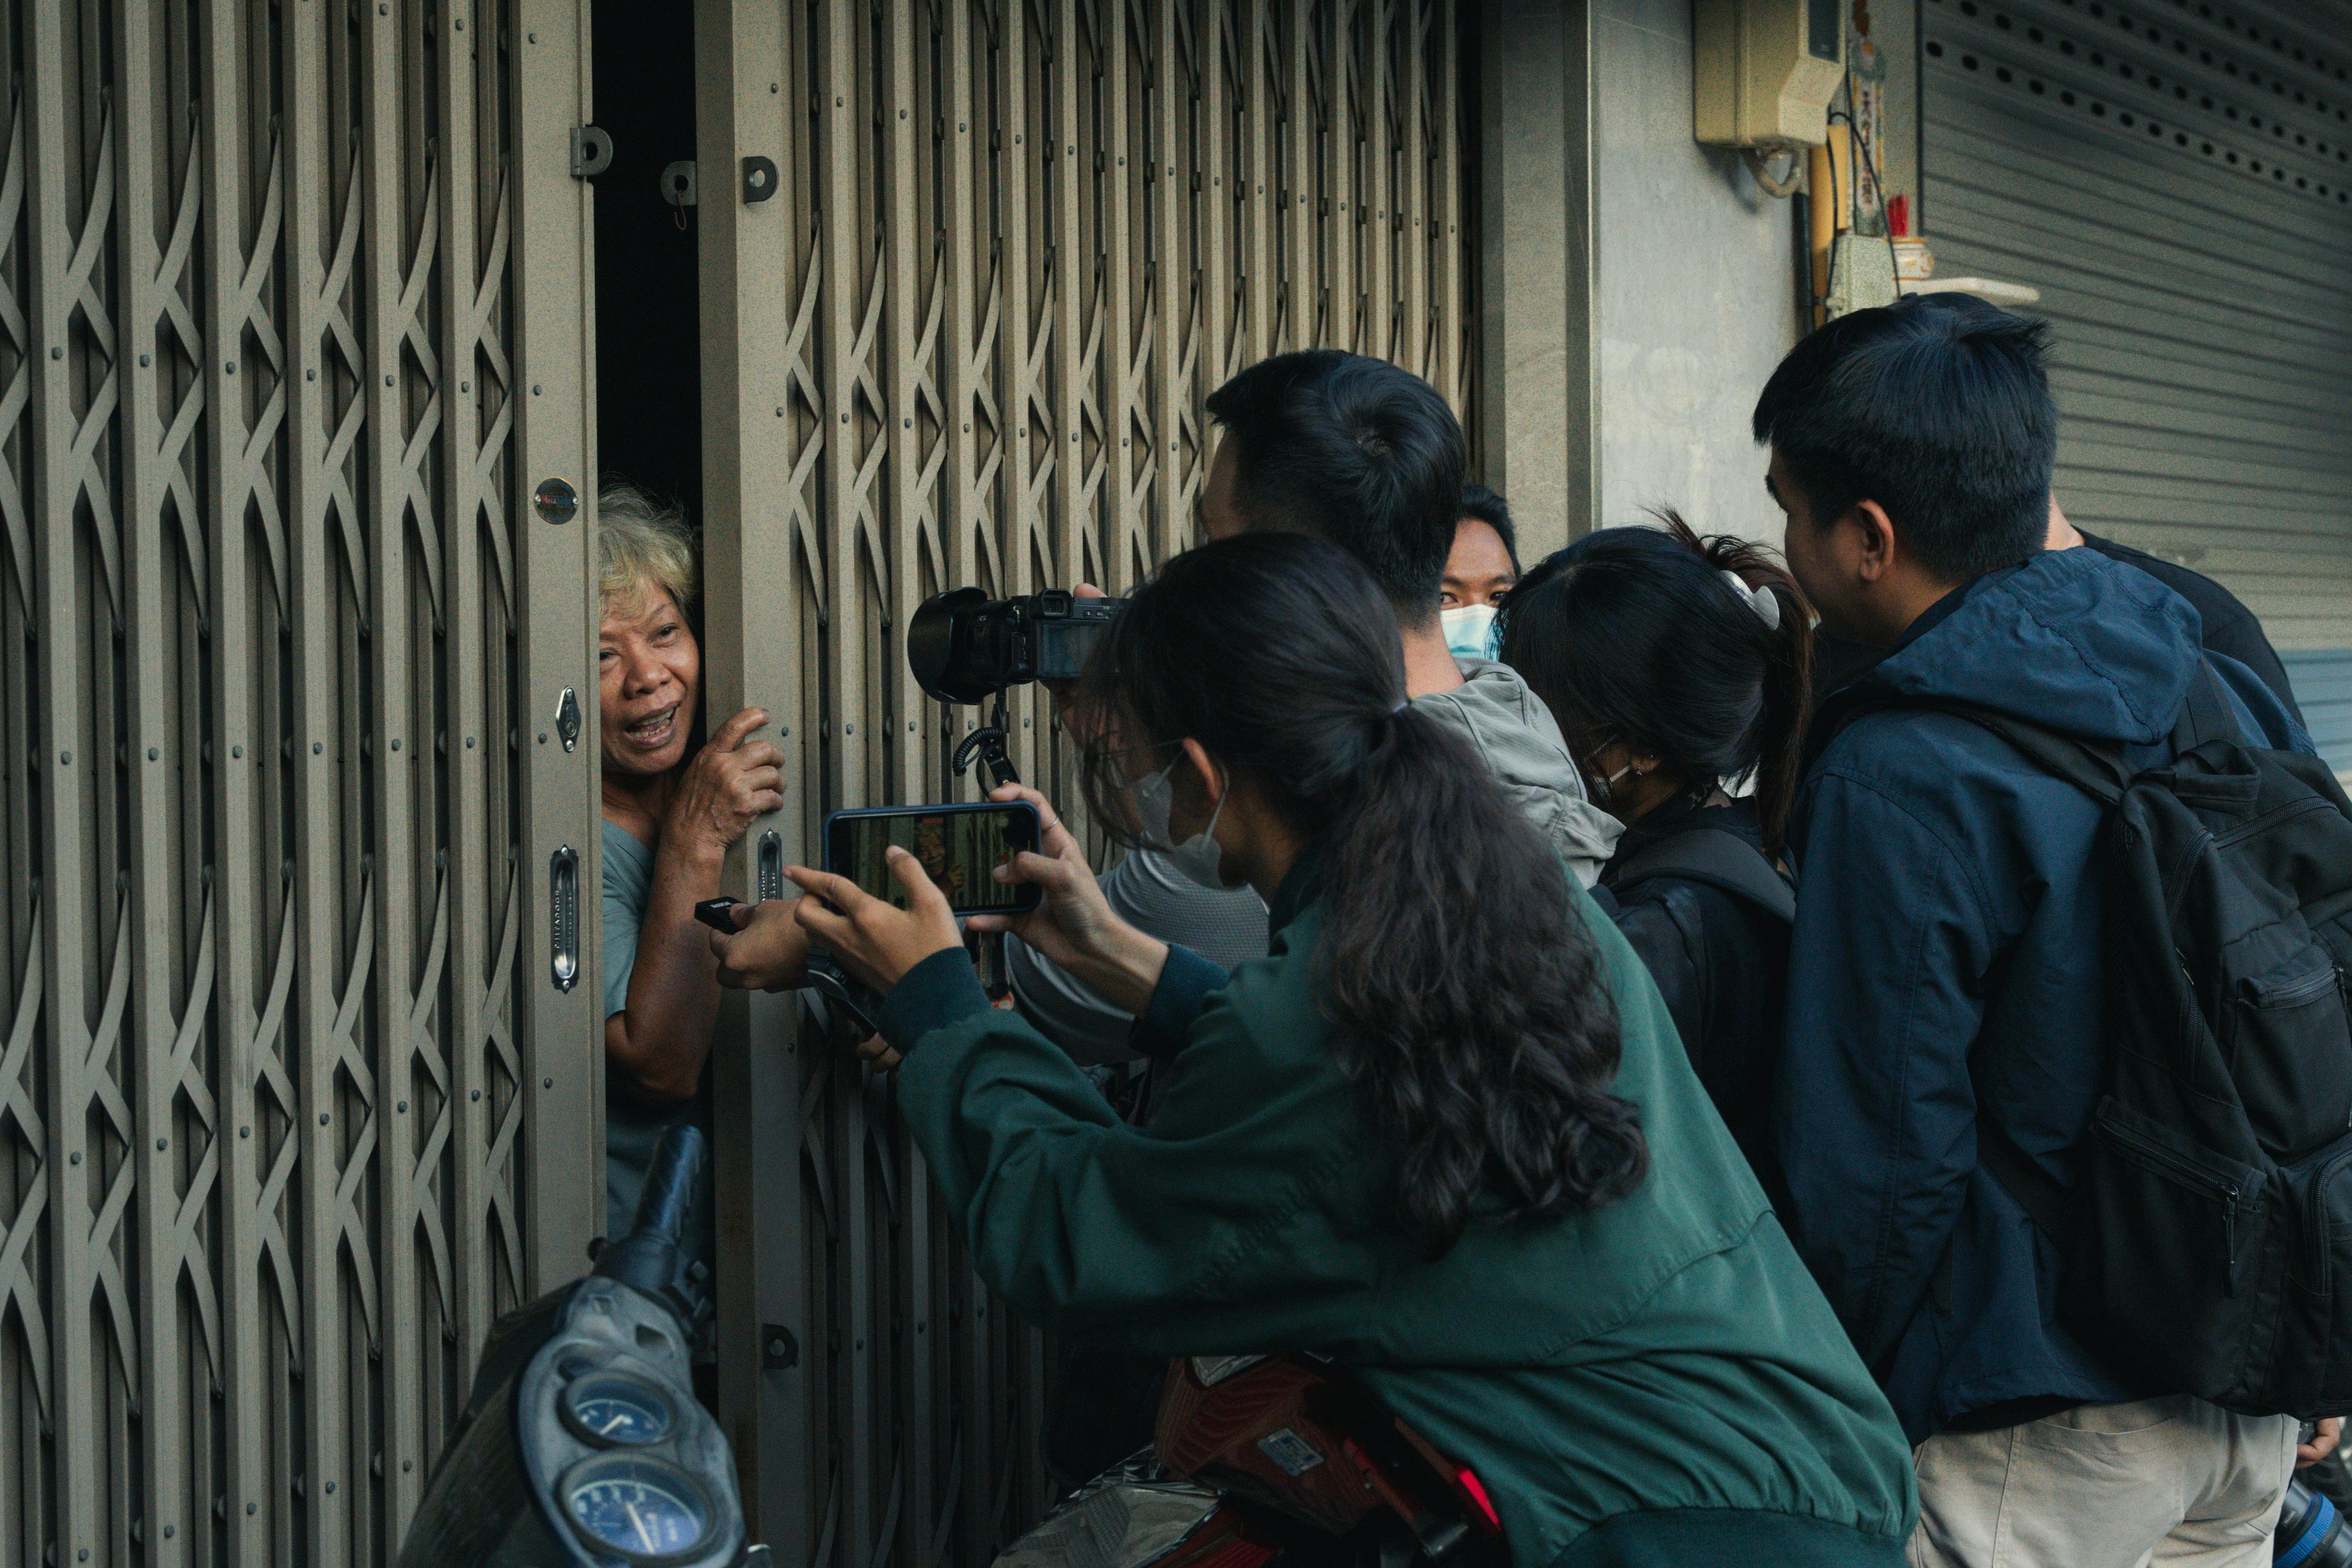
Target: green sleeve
1206 1231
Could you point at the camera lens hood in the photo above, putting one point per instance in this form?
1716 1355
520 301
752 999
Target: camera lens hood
939 635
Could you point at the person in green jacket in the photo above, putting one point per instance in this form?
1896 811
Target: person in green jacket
1443 1132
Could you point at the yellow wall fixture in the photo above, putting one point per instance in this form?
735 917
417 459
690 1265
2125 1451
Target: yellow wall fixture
1763 71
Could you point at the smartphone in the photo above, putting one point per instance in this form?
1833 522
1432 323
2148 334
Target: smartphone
959 845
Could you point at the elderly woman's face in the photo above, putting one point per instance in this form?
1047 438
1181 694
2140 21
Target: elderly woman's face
651 673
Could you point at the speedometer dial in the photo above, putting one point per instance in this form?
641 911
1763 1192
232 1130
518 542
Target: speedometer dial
614 1410
642 1510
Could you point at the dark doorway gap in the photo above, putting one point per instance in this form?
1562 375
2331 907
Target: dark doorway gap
648 311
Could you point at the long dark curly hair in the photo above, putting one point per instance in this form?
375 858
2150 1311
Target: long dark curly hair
1466 990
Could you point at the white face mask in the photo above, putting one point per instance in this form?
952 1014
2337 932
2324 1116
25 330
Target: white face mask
1198 860
1470 631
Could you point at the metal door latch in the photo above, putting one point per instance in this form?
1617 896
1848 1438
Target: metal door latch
677 183
567 720
592 151
759 179
564 902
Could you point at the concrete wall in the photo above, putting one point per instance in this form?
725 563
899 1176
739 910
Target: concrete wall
1637 287
1698 288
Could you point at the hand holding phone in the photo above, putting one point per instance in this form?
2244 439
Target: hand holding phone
959 846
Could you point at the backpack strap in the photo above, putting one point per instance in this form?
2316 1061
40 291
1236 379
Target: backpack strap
1721 859
2043 1200
2206 714
2096 768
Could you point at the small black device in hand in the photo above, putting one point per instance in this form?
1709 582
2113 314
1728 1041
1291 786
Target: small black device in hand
960 847
718 914
964 645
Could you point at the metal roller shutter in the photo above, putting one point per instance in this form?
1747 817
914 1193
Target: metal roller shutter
2176 179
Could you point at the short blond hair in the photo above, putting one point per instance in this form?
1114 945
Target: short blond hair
642 543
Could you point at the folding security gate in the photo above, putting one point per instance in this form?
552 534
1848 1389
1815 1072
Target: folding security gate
291 1104
2177 180
969 270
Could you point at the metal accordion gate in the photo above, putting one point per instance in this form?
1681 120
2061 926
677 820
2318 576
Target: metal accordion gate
291 1101
969 270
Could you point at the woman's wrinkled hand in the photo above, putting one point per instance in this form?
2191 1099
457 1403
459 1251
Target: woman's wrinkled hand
1074 926
769 951
728 785
877 942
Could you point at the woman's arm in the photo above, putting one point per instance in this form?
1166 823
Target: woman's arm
1186 1235
659 1041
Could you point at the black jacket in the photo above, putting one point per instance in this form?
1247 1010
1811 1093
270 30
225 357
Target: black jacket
1722 964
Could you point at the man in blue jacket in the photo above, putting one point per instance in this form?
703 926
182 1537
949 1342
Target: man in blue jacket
1946 968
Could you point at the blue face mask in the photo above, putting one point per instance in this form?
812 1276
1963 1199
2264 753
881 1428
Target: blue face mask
1471 632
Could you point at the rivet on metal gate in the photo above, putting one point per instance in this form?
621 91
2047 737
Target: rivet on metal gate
543 737
387 378
57 353
465 386
317 748
469 742
74 1158
228 367
251 1508
162 1144
170 1531
536 389
237 750
547 1083
534 38
461 23
402 1108
245 1131
906 423
478 1094
65 759
773 86
309 376
395 742
555 500
910 726
144 362
322 1119
779 413
406 1465
331 1486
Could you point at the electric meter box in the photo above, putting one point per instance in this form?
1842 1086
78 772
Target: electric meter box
1763 71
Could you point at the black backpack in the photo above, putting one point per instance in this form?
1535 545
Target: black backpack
2202 1239
1721 859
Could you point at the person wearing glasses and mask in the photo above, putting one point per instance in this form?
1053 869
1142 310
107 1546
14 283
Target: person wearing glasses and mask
1677 666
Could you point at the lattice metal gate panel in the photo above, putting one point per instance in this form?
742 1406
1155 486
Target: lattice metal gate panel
280 636
970 268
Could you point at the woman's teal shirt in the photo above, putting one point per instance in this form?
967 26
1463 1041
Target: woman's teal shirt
1618 1379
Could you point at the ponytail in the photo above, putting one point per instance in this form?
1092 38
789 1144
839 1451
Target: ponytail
1466 992
1639 635
1480 1032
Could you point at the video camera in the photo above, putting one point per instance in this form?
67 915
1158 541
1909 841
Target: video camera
964 646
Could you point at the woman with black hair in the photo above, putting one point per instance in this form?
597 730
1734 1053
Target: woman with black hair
1677 664
1440 1134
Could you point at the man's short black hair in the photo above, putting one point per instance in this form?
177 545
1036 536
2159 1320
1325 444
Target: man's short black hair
1353 450
1936 407
1484 504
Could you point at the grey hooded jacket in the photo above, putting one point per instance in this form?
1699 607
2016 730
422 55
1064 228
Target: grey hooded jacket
1504 722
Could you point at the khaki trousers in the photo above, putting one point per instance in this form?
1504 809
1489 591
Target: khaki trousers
2173 1480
